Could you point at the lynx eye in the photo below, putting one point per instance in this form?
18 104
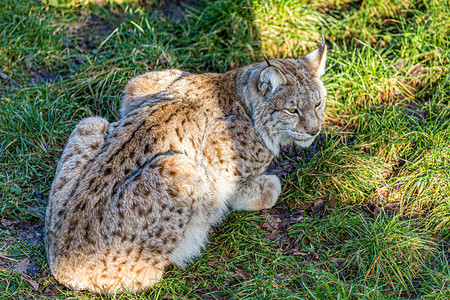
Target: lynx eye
292 110
318 104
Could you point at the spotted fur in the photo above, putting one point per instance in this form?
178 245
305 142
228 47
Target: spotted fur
131 197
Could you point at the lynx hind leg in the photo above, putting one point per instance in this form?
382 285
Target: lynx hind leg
83 145
151 212
257 194
141 87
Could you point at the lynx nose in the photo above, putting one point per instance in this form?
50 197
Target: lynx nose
313 131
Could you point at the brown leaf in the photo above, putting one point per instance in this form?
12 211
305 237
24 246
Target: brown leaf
297 252
318 207
53 288
273 235
50 291
8 223
22 266
33 283
273 222
331 204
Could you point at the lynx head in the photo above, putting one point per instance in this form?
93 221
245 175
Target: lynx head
286 99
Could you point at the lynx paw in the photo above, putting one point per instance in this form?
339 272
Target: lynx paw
270 191
261 193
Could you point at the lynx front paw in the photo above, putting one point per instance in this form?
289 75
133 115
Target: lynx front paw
258 194
270 191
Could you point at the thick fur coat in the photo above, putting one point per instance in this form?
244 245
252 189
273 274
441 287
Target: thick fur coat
131 197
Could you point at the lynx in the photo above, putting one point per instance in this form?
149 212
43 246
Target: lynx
131 197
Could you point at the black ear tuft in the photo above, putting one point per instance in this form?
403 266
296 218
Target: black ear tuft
267 61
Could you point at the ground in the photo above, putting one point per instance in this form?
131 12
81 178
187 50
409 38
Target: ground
364 212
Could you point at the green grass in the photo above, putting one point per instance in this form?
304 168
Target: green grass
382 166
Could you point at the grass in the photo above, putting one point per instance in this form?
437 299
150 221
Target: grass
379 175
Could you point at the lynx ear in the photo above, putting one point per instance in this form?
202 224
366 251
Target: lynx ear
316 59
269 79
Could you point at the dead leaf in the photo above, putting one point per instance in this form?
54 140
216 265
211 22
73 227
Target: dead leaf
297 252
8 223
51 291
22 266
331 204
318 207
53 288
273 222
33 283
273 235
